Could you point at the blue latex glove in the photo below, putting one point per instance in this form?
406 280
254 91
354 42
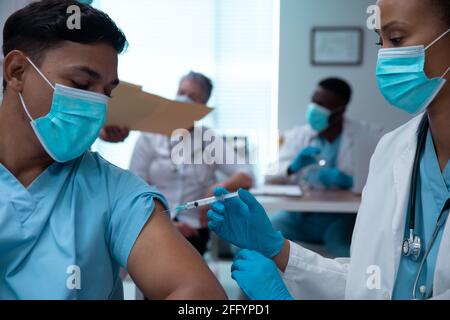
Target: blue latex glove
333 177
305 158
244 222
258 277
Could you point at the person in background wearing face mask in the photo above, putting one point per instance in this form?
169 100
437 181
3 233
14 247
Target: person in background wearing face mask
68 219
187 182
329 136
400 247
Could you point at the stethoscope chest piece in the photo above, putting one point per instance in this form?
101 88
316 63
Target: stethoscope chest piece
412 246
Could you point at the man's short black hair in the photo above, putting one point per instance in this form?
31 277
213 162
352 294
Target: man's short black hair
339 87
42 25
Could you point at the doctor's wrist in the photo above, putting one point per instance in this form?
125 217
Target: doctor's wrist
282 258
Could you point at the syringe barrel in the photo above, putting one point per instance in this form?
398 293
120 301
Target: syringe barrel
229 196
208 201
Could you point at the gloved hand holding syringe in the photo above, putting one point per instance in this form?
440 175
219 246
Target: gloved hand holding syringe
204 202
201 203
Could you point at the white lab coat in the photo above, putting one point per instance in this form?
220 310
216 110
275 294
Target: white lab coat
358 143
378 236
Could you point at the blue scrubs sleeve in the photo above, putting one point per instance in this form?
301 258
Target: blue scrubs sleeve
132 204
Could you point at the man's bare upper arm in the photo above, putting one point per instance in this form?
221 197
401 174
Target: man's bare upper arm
164 265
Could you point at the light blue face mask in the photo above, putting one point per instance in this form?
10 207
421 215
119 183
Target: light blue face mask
318 117
183 99
73 123
402 80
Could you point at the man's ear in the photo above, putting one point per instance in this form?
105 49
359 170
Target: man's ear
14 68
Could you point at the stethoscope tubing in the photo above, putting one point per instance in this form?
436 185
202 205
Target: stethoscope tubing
422 135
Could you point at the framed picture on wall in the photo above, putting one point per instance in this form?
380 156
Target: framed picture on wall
337 46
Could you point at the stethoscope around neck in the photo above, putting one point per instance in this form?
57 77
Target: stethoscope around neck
412 246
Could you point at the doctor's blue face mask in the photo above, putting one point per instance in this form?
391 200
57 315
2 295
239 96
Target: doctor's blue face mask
73 123
318 117
402 80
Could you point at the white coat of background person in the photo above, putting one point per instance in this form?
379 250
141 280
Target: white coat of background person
358 142
381 240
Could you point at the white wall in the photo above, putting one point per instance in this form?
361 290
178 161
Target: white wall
298 78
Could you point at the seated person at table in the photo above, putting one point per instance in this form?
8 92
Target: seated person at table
68 219
329 136
152 161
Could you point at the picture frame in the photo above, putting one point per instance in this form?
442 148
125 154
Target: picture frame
337 46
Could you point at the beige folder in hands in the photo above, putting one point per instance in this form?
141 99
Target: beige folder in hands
138 110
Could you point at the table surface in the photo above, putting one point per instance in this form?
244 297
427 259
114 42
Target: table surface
326 201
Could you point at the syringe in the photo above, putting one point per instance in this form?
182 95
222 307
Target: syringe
204 202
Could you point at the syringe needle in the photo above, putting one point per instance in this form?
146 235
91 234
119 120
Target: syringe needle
164 212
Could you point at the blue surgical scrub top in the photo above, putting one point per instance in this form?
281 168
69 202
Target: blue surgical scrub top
329 153
69 232
434 187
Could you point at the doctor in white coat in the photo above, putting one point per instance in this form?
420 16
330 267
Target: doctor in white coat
345 146
401 244
355 139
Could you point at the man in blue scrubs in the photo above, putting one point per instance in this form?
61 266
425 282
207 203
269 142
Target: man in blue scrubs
68 219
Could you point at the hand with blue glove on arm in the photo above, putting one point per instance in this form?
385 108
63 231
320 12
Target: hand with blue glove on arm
305 158
258 277
244 222
333 177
